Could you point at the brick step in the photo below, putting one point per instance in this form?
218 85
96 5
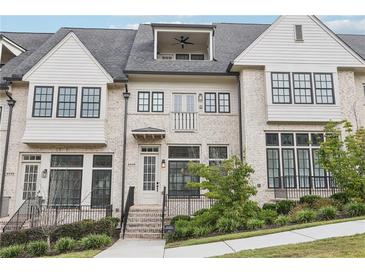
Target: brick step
142 236
143 219
145 209
144 224
144 214
143 230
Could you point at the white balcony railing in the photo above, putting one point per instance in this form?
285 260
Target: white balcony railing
185 121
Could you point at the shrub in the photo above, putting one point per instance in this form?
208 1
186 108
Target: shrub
325 202
327 213
12 251
178 218
37 248
199 231
282 220
183 229
270 206
285 206
201 211
75 230
227 224
21 237
254 223
340 197
304 216
95 241
207 218
309 199
355 209
268 216
65 244
106 226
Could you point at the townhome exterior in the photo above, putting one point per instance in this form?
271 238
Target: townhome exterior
100 113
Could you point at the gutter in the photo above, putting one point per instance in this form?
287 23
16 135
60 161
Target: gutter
182 73
240 118
11 104
126 95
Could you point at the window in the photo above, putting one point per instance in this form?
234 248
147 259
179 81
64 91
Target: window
149 149
223 102
295 164
30 169
43 101
302 85
197 56
217 154
101 180
90 103
157 101
65 180
323 83
143 101
298 33
166 56
67 97
210 102
280 82
182 56
184 152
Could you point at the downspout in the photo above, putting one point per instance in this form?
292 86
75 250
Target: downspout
126 95
11 104
240 116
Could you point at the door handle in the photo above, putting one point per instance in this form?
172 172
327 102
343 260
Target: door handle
157 185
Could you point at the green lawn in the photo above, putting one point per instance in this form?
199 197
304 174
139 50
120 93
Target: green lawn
261 232
342 247
79 254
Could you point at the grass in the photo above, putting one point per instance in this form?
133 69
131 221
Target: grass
342 247
79 254
247 234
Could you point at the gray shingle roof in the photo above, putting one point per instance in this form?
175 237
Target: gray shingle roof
230 41
27 40
356 42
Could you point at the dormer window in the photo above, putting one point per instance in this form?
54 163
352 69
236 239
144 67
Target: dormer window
183 42
298 29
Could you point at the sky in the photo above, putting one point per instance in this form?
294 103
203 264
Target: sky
339 24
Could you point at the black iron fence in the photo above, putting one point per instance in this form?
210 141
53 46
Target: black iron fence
186 205
294 187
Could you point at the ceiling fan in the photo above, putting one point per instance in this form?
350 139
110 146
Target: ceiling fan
183 41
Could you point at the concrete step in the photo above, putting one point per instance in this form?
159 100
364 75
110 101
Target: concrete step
142 236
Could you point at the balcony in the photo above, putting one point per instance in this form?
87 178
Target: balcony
184 121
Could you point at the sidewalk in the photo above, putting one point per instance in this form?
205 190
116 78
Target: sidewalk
155 248
283 238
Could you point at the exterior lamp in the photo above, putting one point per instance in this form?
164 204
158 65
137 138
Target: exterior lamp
200 97
44 173
163 163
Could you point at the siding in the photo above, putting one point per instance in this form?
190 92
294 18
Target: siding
277 45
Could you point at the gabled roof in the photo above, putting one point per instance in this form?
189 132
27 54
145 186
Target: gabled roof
354 41
27 40
229 41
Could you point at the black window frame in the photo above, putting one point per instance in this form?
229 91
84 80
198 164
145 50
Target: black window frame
197 54
205 102
332 89
266 139
93 103
219 102
300 168
182 54
311 88
58 102
34 102
163 101
148 101
1 114
285 168
96 170
267 168
186 193
289 88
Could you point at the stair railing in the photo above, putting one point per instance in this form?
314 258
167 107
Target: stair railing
129 203
163 211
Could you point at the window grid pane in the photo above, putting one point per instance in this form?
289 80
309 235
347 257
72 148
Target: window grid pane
67 97
43 102
210 102
273 167
90 103
302 83
143 101
303 167
288 168
149 173
280 88
324 88
101 187
30 181
178 179
157 101
223 101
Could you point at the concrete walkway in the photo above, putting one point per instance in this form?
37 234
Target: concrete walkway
155 248
283 238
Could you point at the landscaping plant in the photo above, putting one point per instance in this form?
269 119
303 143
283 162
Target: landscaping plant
268 216
37 248
305 216
65 244
12 251
309 199
254 223
327 213
355 209
285 206
95 241
282 220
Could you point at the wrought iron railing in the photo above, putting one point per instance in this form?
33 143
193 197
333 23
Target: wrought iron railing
185 121
186 205
163 211
294 187
129 203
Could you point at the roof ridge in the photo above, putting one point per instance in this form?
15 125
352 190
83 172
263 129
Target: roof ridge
233 23
98 28
25 32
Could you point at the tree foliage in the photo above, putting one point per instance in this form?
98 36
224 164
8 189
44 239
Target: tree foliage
344 157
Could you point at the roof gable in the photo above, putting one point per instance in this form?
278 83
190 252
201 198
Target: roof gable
320 45
68 59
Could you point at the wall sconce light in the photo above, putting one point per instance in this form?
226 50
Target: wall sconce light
44 173
163 163
200 97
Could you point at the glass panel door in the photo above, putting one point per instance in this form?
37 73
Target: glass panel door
149 173
30 180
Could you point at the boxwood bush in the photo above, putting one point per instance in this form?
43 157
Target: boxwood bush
285 206
340 197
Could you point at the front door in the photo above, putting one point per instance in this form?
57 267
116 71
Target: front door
150 171
30 175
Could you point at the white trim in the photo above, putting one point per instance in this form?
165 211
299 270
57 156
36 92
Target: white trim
14 48
54 49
